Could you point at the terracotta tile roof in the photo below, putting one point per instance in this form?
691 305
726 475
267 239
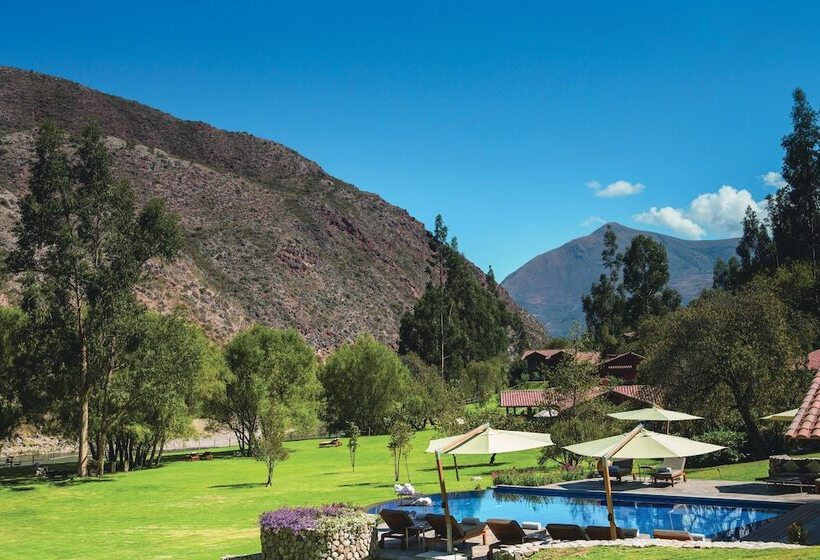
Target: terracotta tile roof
535 398
806 424
814 360
523 398
643 393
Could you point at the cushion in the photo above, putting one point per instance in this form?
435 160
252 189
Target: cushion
813 467
470 521
663 470
531 525
789 467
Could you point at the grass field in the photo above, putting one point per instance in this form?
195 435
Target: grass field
204 509
208 509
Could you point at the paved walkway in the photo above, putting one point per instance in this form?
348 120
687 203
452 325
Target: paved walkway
727 489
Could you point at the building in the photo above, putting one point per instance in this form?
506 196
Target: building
530 401
806 423
622 366
549 358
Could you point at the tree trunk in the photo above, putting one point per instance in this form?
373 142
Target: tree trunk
270 474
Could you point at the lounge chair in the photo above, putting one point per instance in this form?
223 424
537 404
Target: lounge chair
618 469
509 532
401 526
461 531
566 532
670 470
602 533
335 442
669 534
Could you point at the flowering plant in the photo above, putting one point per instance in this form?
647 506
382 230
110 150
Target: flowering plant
299 520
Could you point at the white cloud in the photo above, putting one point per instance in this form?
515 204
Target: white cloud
593 221
618 188
672 218
718 212
723 211
773 179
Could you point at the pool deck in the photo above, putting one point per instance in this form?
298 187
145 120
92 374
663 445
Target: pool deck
806 510
717 489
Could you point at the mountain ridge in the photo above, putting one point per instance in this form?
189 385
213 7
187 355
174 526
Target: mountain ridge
550 285
271 237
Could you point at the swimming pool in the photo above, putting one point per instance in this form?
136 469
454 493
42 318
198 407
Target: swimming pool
717 519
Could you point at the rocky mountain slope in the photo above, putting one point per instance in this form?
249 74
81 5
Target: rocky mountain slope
550 285
272 238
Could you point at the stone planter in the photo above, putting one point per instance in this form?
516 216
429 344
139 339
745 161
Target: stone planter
357 543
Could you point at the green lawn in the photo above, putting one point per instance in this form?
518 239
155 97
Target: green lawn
204 509
208 509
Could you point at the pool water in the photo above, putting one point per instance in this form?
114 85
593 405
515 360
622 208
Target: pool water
717 519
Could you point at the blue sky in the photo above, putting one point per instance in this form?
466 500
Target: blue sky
513 120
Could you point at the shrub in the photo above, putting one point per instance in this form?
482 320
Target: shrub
733 441
300 520
538 477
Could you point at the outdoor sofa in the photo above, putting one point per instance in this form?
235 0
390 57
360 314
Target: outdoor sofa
793 471
618 469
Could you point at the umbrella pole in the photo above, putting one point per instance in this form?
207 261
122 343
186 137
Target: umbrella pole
613 529
455 462
667 426
444 503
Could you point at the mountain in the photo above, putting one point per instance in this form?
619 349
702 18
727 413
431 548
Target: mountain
271 237
550 285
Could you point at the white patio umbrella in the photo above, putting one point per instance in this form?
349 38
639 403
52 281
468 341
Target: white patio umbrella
638 444
654 414
785 416
481 441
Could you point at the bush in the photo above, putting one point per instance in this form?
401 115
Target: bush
538 477
734 443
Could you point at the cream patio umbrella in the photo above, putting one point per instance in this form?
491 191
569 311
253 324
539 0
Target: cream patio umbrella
654 414
785 416
638 444
483 440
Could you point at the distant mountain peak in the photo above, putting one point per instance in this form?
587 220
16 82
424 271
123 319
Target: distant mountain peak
550 285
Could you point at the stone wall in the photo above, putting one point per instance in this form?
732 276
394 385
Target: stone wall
343 544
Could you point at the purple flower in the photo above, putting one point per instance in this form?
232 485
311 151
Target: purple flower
300 519
295 520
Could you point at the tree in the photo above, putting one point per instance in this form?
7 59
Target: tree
429 393
12 376
363 382
604 305
726 274
613 305
353 433
151 395
400 444
571 377
457 320
646 275
83 247
483 380
728 356
266 364
270 446
795 208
